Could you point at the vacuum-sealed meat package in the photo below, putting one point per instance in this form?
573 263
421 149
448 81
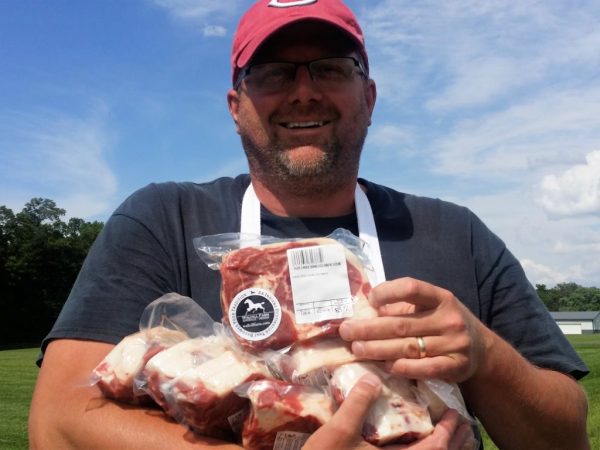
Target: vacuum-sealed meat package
193 381
116 374
283 415
166 321
170 364
288 291
311 362
203 397
399 415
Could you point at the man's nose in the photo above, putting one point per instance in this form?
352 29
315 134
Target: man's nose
304 87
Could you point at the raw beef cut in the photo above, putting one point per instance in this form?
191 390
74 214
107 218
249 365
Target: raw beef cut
116 373
311 362
204 396
282 412
173 362
264 272
398 415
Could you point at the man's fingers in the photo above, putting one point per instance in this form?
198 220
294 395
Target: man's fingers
385 328
405 348
419 293
463 435
439 367
353 410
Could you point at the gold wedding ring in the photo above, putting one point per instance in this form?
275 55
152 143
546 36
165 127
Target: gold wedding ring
422 349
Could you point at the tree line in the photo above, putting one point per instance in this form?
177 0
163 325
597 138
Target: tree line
40 257
569 297
41 254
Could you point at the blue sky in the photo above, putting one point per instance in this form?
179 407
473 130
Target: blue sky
491 104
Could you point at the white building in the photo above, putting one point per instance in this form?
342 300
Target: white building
578 322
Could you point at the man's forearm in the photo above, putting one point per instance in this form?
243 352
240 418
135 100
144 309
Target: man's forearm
524 407
67 414
105 424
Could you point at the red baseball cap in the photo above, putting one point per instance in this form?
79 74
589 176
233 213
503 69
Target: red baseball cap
265 17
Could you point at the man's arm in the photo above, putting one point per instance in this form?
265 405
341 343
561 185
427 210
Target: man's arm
67 414
521 406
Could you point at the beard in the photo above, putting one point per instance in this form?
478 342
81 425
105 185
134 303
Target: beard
303 167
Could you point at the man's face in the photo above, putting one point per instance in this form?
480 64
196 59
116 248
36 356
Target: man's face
305 136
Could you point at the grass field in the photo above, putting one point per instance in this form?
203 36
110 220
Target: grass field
18 373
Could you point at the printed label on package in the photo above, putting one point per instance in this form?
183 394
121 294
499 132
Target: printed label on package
290 440
320 285
236 420
254 314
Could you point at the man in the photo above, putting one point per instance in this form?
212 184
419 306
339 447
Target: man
456 306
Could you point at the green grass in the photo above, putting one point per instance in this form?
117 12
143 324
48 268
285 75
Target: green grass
18 373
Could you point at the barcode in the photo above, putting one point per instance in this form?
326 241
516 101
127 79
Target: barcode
309 256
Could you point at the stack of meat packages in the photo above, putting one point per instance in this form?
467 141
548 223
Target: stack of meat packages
276 370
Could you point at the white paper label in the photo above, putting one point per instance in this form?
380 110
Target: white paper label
320 285
290 440
236 420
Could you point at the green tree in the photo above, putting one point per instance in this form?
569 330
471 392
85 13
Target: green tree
548 296
569 297
40 258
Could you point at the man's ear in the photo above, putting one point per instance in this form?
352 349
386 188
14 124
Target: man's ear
233 102
371 96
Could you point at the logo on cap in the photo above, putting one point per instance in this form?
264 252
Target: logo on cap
278 4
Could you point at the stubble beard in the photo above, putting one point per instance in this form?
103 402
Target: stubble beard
329 167
305 168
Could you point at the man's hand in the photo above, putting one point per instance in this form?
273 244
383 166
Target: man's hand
409 309
344 429
450 433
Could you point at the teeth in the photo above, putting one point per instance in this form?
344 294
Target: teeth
304 124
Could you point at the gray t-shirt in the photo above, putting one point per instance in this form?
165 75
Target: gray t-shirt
145 250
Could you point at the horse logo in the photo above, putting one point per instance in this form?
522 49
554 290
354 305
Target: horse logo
254 306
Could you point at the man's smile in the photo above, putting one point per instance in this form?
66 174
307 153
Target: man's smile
302 125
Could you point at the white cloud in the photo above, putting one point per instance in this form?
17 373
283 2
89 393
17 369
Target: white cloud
551 251
574 192
197 9
214 30
57 156
210 14
467 54
542 274
390 137
551 129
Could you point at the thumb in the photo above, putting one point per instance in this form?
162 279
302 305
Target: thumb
353 410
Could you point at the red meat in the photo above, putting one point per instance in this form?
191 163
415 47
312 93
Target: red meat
204 396
266 268
282 411
116 374
397 416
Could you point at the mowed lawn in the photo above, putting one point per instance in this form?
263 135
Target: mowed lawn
18 373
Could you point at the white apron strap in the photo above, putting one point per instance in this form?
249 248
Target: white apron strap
367 231
250 217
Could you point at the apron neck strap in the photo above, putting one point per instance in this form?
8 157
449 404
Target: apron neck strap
367 231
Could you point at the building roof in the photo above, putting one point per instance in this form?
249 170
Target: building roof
575 315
